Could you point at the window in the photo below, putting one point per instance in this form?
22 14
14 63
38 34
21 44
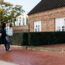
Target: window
63 28
37 26
16 19
26 21
60 24
21 21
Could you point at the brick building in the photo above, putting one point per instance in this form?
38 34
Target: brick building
47 16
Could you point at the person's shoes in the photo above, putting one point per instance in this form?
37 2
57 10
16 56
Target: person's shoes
7 49
10 50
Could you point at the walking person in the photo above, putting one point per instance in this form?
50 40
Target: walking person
3 35
0 34
9 34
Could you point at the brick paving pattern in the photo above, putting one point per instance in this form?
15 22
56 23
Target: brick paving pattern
22 56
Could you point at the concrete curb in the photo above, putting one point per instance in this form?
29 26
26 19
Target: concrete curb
37 48
44 49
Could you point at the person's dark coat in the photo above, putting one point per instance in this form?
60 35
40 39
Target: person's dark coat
0 37
3 36
3 32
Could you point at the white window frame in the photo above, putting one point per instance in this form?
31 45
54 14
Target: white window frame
60 24
37 26
21 21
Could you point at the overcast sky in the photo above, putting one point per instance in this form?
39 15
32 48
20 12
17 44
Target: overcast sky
27 4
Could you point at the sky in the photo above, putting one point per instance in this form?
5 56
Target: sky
28 5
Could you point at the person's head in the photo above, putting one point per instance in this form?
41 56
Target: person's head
7 24
10 25
3 25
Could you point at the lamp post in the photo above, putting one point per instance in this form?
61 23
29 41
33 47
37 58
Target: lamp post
28 34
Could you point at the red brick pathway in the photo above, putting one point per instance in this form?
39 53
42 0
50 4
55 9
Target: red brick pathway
22 56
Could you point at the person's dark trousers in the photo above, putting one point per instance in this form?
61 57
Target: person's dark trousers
7 47
7 44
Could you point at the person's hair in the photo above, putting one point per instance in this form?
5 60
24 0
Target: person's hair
10 25
3 25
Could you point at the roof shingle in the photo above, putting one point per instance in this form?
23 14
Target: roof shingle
45 5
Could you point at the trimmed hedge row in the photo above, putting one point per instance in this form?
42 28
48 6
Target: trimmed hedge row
43 38
17 39
38 38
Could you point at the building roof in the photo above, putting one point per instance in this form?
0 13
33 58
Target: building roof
45 5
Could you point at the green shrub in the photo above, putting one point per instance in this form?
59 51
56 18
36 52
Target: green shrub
17 38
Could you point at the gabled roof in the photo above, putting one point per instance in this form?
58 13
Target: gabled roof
45 5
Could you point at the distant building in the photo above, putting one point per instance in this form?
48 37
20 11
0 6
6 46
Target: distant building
21 23
47 16
21 20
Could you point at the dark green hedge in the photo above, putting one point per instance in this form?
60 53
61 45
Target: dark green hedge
43 38
17 38
38 38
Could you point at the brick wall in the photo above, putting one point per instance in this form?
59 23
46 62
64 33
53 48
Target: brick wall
20 28
47 18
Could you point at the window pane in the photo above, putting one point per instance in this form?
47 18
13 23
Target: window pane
37 26
59 24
